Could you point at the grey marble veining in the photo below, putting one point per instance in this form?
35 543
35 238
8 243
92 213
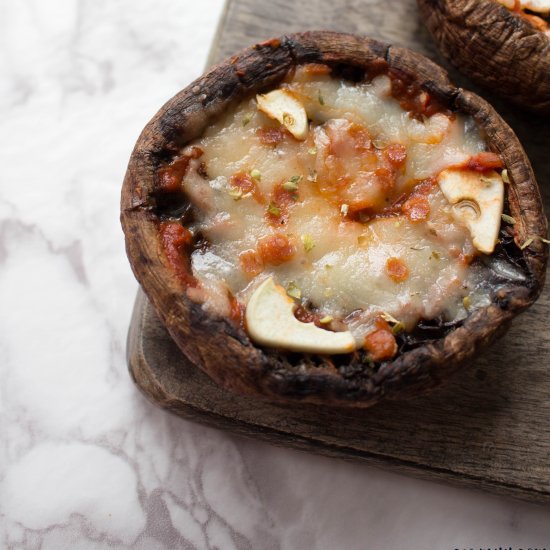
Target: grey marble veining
85 461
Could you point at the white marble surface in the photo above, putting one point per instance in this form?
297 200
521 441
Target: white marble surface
85 461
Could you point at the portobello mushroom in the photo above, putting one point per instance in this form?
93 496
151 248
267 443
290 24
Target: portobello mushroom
505 50
272 337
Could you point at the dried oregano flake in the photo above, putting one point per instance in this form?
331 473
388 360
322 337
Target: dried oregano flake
307 241
293 290
273 209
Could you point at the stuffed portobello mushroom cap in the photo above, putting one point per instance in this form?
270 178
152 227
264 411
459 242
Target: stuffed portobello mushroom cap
494 46
223 349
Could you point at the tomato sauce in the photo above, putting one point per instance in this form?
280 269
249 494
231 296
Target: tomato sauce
276 249
246 183
171 176
397 270
176 242
381 343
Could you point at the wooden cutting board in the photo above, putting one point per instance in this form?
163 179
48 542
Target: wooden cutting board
489 427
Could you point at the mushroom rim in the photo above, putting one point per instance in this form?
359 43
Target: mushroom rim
246 368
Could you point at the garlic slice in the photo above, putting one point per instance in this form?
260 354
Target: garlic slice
477 201
270 322
283 106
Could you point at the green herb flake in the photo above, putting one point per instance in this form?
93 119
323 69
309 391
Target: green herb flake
398 327
307 241
508 219
328 266
467 303
320 98
290 186
293 290
435 255
527 243
256 174
505 177
274 210
326 319
236 193
247 118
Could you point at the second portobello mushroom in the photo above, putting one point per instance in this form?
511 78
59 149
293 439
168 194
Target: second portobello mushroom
498 48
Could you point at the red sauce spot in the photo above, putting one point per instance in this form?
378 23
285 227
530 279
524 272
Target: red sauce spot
466 259
361 137
251 263
396 154
424 187
381 342
283 197
305 315
236 312
171 176
399 205
386 178
246 183
397 269
280 201
485 161
176 241
417 209
270 136
276 249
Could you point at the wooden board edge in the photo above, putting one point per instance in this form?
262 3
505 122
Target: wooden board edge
143 377
214 52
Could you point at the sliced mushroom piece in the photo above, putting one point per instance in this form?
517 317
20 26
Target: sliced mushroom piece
283 106
270 322
477 201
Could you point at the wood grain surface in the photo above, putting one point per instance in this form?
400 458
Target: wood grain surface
489 427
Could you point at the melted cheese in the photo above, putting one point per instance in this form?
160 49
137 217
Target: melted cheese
340 265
